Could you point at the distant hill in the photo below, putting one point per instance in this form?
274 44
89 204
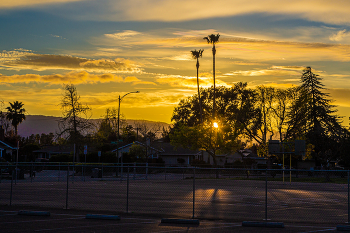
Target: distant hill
38 124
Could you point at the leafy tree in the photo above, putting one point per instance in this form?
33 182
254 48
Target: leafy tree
206 137
235 113
137 153
196 55
75 120
16 114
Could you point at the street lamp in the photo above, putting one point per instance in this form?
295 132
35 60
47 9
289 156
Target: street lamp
120 99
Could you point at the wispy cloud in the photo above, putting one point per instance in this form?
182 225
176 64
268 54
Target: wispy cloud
273 71
339 36
190 82
123 35
32 3
184 10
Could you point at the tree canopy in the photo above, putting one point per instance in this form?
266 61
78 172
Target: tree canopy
16 114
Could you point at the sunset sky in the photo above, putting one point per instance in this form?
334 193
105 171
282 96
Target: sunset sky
108 48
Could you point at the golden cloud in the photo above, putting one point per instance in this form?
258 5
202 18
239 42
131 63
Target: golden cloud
31 3
183 10
273 71
190 82
123 35
250 50
339 36
71 77
23 60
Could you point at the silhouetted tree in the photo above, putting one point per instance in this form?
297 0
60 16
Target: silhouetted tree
236 113
16 114
313 115
75 120
213 39
196 55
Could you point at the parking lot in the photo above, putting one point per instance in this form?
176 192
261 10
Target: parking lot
221 205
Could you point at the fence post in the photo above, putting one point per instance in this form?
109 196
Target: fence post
13 173
348 198
59 171
31 173
146 171
266 195
83 168
102 172
116 170
121 171
134 171
67 186
127 192
194 190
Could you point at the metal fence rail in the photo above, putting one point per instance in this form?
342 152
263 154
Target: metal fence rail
189 192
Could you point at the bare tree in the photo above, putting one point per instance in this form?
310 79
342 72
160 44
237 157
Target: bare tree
75 121
5 123
148 130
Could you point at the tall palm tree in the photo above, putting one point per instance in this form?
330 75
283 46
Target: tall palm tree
15 113
213 39
195 55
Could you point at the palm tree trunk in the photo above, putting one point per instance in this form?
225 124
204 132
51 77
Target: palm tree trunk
199 95
214 97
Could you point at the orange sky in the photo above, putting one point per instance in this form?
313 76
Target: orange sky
109 48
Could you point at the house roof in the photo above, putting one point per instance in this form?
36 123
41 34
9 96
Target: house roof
4 146
168 149
134 143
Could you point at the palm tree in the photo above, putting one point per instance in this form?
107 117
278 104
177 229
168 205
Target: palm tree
15 113
213 39
195 55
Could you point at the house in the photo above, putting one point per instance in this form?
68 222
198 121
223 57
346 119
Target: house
164 150
6 148
48 151
176 156
241 155
152 152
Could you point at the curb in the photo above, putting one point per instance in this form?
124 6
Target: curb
263 224
343 227
180 221
102 216
34 213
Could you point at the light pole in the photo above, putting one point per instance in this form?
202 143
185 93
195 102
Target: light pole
120 99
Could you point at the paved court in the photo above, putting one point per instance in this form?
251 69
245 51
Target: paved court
233 200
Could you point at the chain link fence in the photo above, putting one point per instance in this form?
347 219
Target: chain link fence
317 196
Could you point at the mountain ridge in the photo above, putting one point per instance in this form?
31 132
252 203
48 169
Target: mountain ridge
38 124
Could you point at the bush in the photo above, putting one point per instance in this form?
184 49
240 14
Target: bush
61 158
